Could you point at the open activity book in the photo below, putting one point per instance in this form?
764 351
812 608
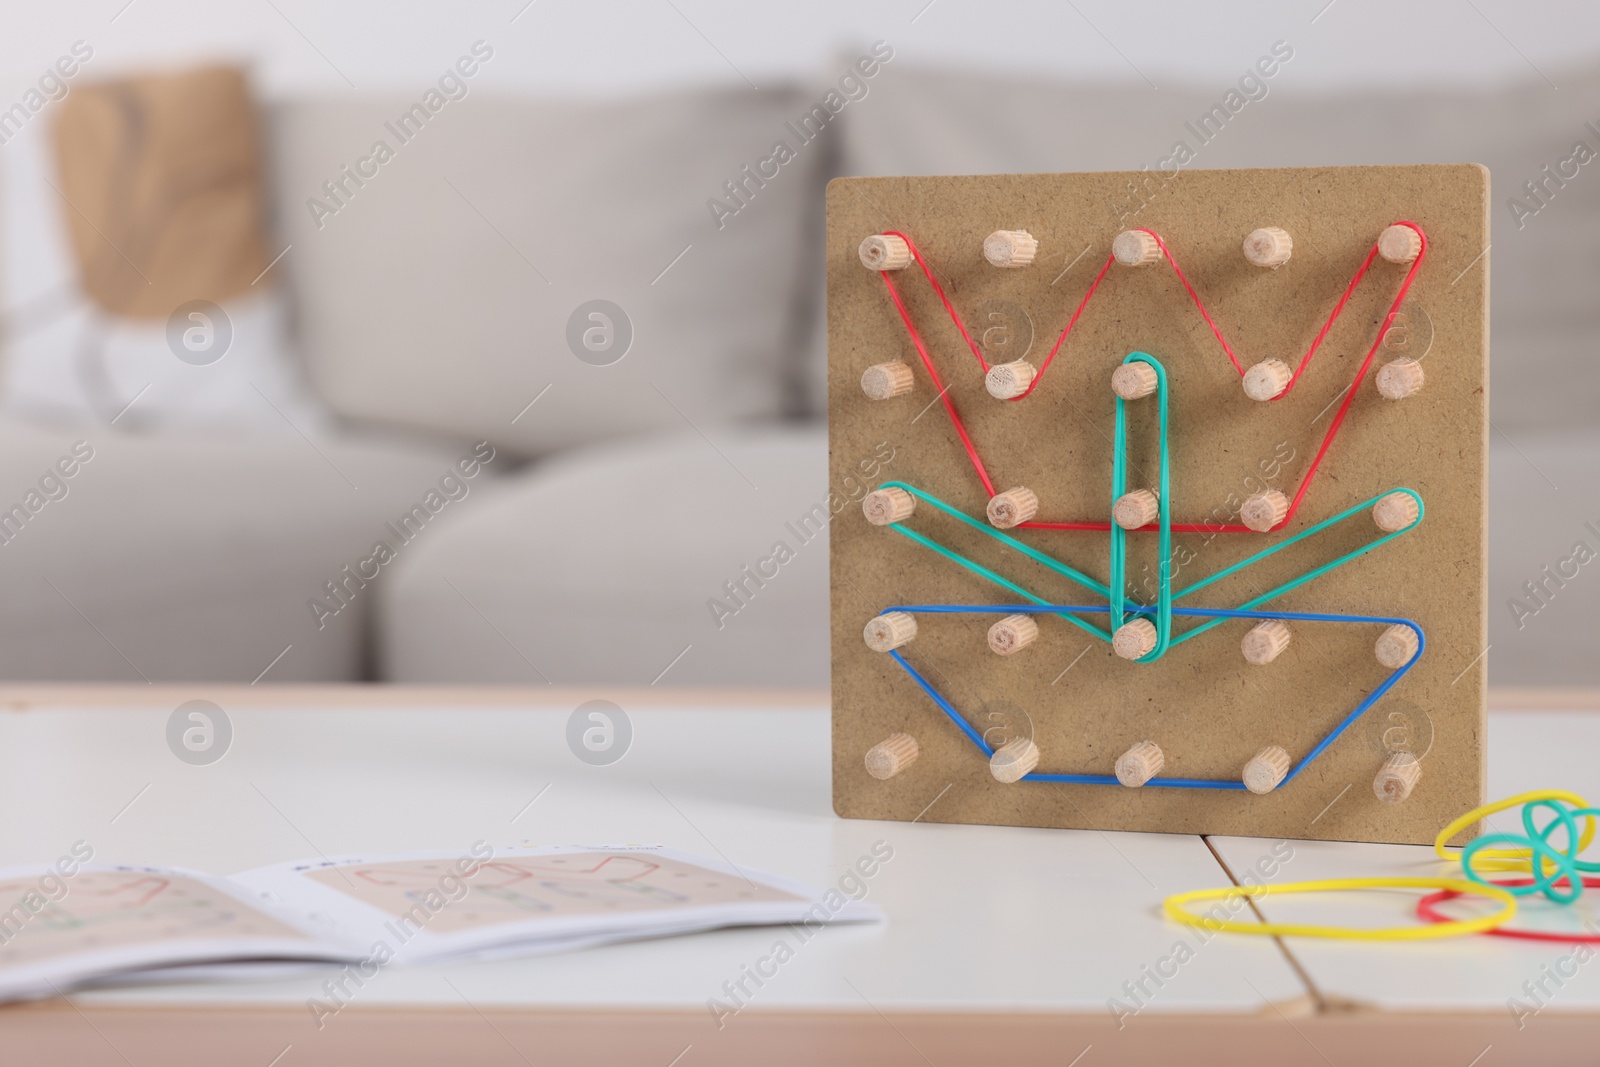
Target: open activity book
122 923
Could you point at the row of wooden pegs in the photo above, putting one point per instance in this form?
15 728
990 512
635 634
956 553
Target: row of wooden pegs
1265 771
1267 247
1263 643
1135 638
1135 510
1270 247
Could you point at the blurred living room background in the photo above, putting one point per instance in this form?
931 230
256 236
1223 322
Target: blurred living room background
481 342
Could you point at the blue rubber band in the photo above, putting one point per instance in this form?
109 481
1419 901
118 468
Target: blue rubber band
1219 613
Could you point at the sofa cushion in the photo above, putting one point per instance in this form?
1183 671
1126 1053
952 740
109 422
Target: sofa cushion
1546 265
608 565
196 558
442 290
520 590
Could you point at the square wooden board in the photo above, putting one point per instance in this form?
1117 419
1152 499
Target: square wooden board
1202 703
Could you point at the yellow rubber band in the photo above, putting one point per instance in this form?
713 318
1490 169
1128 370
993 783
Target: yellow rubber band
1173 907
1510 859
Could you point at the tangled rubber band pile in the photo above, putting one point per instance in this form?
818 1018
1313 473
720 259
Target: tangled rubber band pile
1546 854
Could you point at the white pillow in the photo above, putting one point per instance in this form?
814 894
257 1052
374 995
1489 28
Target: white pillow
67 360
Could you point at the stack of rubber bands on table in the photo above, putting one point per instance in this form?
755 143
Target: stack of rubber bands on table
1545 858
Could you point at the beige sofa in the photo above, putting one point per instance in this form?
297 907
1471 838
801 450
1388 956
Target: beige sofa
433 310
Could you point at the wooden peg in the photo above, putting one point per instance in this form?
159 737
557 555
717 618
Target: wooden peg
882 381
1138 508
1007 380
1140 763
1135 248
1265 641
1268 247
890 630
1134 638
1012 760
1396 646
892 755
1013 507
1134 381
1263 511
1399 378
1266 770
883 251
1395 511
1399 244
1267 379
1010 248
883 507
1397 777
1012 634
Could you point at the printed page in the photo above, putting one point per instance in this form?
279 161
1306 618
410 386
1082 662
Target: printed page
439 905
61 926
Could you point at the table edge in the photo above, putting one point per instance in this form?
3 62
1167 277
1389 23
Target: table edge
403 1034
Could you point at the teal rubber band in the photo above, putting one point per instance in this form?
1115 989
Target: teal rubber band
1115 591
1315 572
1556 871
1119 536
1568 820
1544 881
1010 542
984 572
1063 569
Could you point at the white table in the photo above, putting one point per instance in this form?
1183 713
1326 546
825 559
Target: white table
1002 943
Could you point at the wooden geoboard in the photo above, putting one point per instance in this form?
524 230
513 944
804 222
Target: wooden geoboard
1108 730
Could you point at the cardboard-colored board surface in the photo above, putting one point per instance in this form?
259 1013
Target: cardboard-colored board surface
1202 703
